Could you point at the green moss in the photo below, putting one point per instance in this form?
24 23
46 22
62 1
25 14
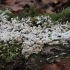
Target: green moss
9 51
64 15
30 11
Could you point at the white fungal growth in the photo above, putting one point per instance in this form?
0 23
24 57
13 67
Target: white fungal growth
32 38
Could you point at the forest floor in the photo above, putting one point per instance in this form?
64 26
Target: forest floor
51 53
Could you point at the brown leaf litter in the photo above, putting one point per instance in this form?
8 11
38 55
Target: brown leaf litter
49 6
62 65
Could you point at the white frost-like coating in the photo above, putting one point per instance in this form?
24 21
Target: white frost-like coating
32 38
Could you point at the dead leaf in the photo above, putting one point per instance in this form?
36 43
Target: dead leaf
26 2
16 7
49 1
62 1
62 65
22 3
15 12
49 12
10 2
55 1
50 67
